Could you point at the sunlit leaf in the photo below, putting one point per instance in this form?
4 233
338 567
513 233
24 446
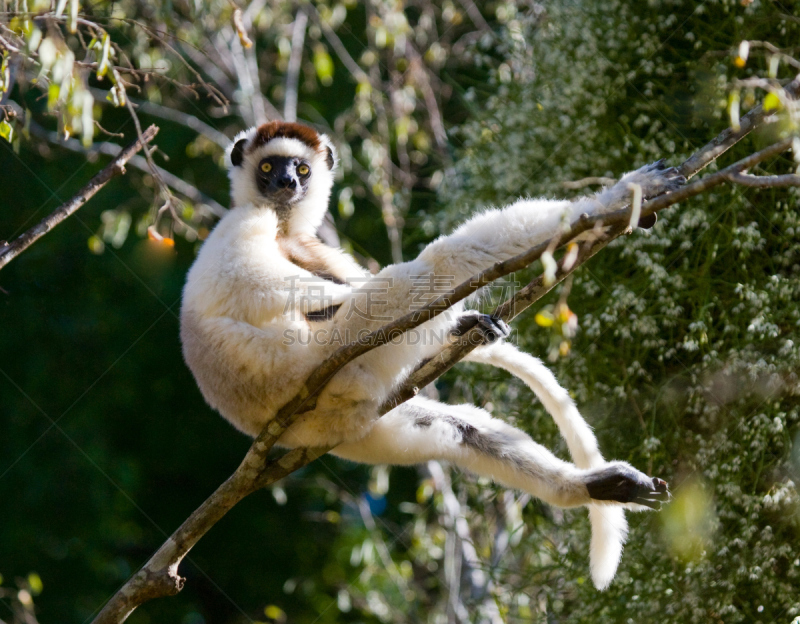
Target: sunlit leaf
774 63
102 67
772 102
35 583
275 614
550 268
96 245
688 521
544 318
733 110
87 119
72 22
6 130
323 64
47 53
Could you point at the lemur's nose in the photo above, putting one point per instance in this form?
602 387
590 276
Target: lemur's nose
286 181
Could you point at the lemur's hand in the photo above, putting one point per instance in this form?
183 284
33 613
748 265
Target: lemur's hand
655 179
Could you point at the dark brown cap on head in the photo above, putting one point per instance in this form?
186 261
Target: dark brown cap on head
282 129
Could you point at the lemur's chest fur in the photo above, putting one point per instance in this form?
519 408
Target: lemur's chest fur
312 255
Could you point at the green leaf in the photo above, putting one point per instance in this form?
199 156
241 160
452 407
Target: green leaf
35 583
102 67
6 130
772 102
323 63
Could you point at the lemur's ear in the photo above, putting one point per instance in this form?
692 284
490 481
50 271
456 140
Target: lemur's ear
237 153
330 151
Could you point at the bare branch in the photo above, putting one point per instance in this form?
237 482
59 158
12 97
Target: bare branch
293 71
472 569
775 181
253 106
344 56
159 576
115 168
180 185
728 138
169 114
424 76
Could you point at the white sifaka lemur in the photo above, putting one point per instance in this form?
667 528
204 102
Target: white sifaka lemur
266 302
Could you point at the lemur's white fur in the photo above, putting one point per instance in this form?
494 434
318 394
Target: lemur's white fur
250 338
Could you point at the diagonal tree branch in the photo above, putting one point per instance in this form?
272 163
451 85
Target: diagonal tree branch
428 371
159 576
9 251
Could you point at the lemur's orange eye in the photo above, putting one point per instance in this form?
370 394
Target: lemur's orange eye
266 167
303 170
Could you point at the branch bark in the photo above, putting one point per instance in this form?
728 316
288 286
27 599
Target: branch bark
117 167
159 576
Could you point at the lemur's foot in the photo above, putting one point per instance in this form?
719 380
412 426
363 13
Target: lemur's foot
491 329
655 179
622 483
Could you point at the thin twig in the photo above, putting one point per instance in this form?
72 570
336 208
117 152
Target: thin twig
336 43
475 15
181 186
169 114
774 181
115 168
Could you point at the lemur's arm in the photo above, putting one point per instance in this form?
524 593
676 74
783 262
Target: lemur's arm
496 235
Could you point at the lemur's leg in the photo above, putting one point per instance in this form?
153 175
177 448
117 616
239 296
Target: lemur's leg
422 430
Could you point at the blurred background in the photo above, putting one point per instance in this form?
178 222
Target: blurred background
685 361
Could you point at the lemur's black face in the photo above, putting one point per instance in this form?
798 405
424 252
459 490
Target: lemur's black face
283 179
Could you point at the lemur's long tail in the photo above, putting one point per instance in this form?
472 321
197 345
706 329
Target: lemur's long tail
609 527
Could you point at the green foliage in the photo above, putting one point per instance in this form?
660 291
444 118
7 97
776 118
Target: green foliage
686 361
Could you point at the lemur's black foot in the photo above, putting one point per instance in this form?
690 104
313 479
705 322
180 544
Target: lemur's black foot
491 329
624 484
